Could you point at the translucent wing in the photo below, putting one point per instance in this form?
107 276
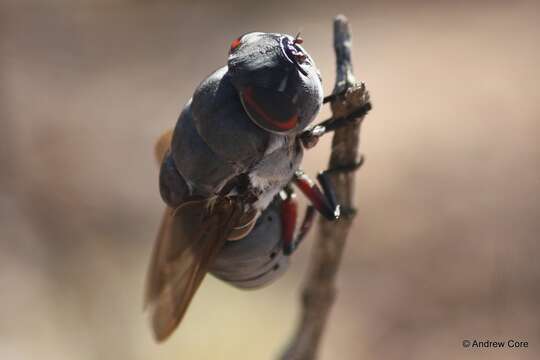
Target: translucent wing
188 241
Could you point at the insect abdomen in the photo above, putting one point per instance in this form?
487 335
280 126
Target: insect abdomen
258 259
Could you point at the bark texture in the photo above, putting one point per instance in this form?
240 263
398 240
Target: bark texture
319 289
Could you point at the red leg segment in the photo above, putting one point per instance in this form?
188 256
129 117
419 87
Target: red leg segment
320 201
307 223
289 213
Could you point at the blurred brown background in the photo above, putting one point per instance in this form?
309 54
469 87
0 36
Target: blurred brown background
445 246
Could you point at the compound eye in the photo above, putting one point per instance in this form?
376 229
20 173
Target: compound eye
271 110
235 44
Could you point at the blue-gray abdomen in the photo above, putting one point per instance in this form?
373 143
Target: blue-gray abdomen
258 259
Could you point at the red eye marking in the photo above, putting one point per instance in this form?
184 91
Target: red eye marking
267 118
235 44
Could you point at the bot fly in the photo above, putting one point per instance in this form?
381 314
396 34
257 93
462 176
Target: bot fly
228 172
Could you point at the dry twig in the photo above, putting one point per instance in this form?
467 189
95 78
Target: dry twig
319 290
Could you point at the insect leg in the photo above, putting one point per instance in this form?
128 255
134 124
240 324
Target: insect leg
323 200
307 223
333 124
310 137
289 214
